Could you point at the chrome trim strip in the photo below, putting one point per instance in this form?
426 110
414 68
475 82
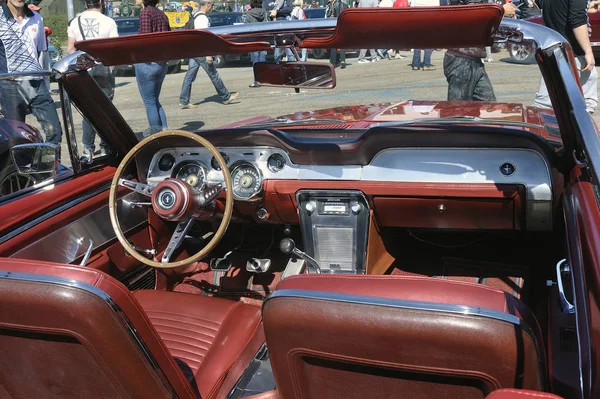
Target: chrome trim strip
15 232
397 303
40 278
70 242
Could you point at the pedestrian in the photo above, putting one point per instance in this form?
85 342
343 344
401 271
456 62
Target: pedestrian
298 13
425 63
201 22
570 19
334 10
150 75
257 14
363 53
464 70
282 11
93 24
23 38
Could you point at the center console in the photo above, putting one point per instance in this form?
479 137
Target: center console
335 227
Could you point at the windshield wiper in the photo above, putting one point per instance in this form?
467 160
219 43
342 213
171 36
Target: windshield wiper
288 122
471 120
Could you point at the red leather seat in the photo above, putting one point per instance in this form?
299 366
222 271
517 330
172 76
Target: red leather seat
68 331
336 336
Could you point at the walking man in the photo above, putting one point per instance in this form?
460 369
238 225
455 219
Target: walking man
362 55
23 38
570 19
201 22
93 24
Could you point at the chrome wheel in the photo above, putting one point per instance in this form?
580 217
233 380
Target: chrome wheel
14 181
522 53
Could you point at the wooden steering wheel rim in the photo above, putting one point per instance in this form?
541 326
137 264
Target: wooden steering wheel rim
112 201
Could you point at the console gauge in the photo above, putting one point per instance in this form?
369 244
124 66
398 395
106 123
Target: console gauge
215 164
193 173
166 162
247 181
276 163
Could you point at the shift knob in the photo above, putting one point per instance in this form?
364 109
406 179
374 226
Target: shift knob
287 246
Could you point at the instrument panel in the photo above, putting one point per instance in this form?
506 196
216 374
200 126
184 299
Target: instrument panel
250 167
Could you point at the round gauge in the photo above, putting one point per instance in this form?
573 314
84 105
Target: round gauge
276 162
166 162
247 181
192 173
215 164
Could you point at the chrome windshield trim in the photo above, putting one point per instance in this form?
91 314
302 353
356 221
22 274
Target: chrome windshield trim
40 278
398 303
77 61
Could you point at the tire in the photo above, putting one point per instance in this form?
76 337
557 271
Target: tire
521 53
175 68
219 61
11 181
320 53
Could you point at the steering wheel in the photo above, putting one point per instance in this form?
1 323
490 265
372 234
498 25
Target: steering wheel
173 200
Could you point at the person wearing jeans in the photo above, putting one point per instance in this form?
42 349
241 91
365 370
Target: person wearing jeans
150 77
190 77
425 64
257 56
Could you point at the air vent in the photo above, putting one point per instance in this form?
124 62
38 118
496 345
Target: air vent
143 277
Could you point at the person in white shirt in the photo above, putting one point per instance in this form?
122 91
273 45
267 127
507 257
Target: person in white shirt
22 39
201 22
93 24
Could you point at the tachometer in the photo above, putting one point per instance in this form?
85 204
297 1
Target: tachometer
193 173
247 181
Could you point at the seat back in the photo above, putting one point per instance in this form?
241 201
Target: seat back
69 331
330 337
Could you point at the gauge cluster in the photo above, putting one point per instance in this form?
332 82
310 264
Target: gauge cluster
249 168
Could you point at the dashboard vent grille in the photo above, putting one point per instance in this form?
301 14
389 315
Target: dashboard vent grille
143 277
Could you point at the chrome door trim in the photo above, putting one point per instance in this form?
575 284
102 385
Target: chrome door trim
125 322
15 232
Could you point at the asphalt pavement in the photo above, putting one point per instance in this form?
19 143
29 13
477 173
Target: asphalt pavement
377 82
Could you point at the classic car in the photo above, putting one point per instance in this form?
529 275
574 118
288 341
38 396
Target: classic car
408 247
14 133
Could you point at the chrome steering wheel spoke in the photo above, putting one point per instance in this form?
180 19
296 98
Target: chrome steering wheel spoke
209 192
144 189
177 238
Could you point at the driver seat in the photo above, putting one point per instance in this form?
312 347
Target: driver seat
68 331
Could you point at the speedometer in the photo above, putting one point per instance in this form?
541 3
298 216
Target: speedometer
193 173
247 181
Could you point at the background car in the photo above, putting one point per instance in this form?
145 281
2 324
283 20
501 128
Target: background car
225 19
525 53
130 26
14 133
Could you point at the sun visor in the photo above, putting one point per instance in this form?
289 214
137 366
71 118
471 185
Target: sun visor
163 46
413 27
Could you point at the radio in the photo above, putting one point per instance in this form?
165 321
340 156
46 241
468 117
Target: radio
335 226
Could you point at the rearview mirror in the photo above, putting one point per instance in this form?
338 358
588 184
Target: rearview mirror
35 158
301 75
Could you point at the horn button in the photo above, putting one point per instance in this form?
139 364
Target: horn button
173 199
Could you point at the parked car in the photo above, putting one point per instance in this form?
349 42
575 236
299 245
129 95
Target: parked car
377 243
226 19
525 53
14 133
130 26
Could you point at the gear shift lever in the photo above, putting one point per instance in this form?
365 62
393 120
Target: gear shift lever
288 247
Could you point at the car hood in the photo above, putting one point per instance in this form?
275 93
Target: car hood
364 116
